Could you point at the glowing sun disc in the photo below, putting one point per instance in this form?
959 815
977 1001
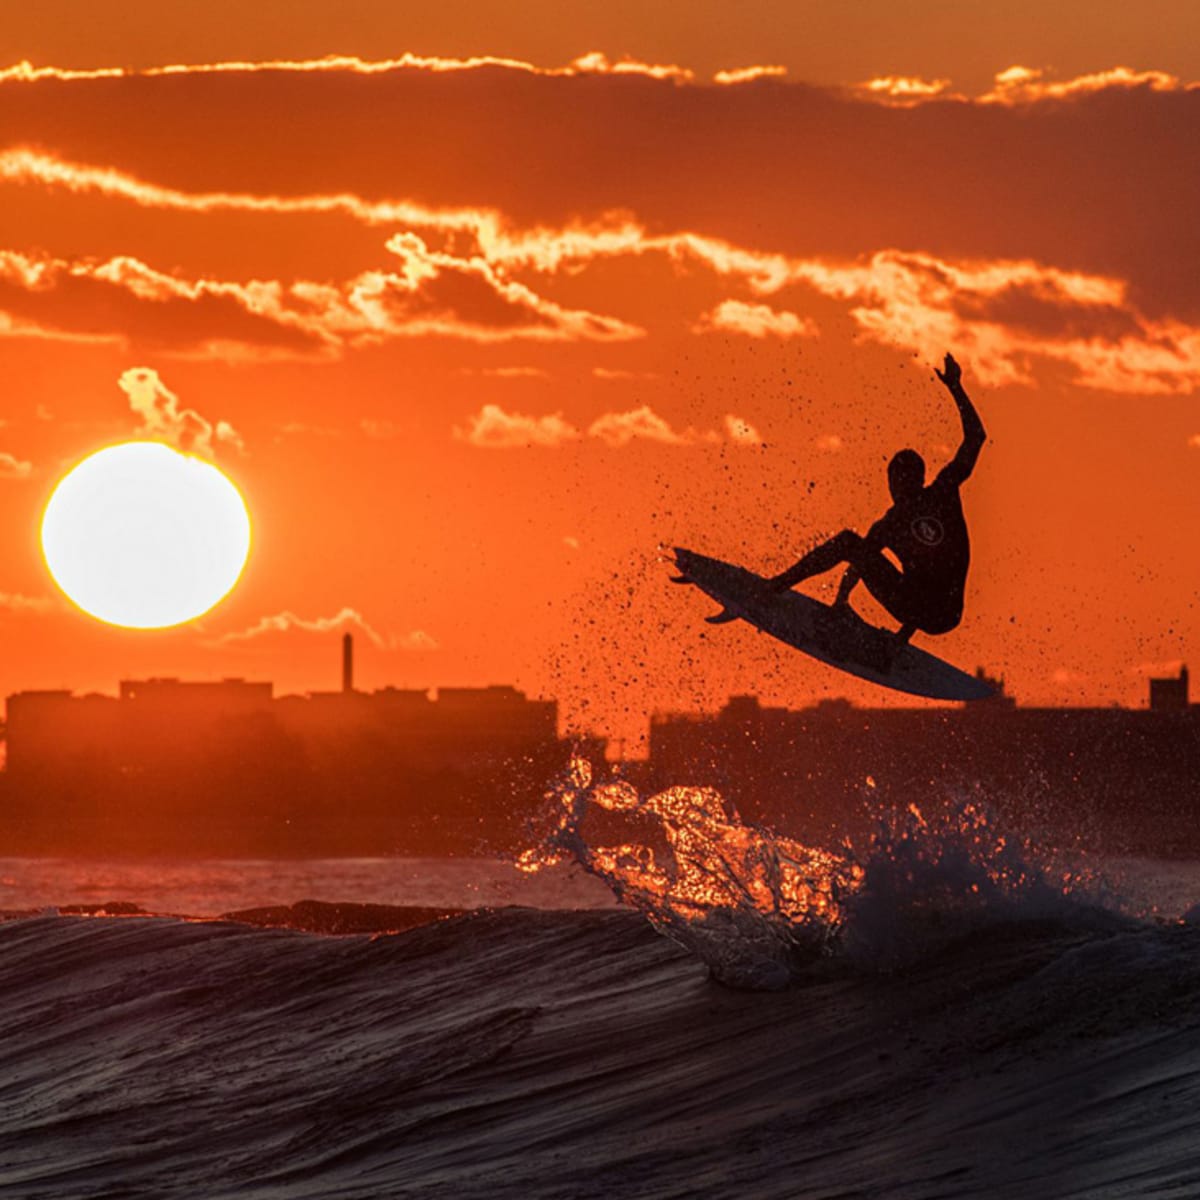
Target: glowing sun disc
143 536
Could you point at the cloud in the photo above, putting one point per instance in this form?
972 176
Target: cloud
644 424
380 429
495 429
288 622
461 280
26 72
18 603
163 420
736 75
904 89
1019 85
877 169
830 443
617 373
433 293
12 467
1026 85
472 297
124 300
592 63
293 428
1016 84
417 641
756 320
740 432
1003 315
595 63
509 372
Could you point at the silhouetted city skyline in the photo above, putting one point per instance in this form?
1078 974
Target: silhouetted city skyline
225 767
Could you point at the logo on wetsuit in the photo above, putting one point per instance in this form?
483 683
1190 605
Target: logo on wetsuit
928 531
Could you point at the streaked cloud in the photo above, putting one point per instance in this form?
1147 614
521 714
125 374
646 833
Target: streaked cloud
18 603
494 429
1016 84
904 89
756 320
163 419
1004 315
26 72
618 374
346 619
433 293
509 372
593 62
1027 85
471 273
736 75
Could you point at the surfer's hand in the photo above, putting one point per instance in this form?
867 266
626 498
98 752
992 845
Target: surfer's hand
951 376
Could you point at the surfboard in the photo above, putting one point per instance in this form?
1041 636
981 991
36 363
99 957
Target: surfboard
837 636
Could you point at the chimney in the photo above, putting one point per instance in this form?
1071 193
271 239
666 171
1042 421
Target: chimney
347 662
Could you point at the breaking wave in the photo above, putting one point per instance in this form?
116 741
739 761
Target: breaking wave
758 907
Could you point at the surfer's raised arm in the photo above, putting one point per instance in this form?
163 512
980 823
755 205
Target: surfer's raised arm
974 435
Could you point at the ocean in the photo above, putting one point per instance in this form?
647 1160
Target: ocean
655 1000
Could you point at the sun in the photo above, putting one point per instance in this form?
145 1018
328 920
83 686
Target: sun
143 536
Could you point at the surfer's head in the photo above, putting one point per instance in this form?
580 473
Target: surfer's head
906 474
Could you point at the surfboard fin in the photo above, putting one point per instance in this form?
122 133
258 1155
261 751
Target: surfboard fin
722 618
679 579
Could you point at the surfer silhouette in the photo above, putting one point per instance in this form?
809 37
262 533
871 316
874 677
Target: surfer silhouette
924 529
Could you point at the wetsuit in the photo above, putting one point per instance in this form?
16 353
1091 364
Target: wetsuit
928 534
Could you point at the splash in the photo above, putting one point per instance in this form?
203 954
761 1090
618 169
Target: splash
758 908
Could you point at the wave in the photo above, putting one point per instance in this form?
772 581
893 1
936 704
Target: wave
941 1011
523 1053
757 906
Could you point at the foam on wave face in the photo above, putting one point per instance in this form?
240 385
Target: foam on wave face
758 907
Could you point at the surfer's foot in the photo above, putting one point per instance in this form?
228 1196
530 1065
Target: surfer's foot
895 645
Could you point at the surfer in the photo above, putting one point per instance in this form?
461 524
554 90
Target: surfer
924 528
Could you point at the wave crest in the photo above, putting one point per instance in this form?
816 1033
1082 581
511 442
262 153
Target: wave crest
758 907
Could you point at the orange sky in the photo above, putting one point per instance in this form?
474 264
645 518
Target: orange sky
482 336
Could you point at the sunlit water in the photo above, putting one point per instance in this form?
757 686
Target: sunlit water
692 862
209 888
758 907
944 1009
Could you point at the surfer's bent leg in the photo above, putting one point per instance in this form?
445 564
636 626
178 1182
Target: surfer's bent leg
842 547
885 581
850 581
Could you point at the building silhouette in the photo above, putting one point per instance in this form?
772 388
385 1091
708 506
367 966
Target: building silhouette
1114 779
226 768
171 767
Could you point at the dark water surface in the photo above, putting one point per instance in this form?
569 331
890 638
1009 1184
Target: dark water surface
942 1013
